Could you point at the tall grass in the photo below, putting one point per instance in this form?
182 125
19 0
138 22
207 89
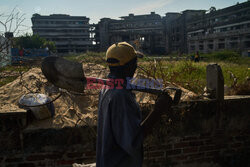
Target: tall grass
88 57
226 56
185 73
14 68
10 73
191 75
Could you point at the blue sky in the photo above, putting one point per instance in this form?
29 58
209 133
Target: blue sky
96 9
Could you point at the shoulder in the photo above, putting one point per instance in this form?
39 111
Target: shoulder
121 94
115 94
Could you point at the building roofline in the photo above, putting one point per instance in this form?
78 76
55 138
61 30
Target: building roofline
229 7
57 16
172 13
190 10
132 15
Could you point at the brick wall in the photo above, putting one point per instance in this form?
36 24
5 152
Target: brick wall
210 148
204 132
54 158
200 132
51 147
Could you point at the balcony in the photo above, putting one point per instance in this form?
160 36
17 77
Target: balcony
73 42
220 34
61 25
46 34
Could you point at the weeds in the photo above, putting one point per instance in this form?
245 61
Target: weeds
14 69
10 73
88 57
185 73
190 75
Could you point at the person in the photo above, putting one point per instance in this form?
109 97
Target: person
197 57
120 130
47 50
21 54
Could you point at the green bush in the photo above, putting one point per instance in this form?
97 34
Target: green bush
34 41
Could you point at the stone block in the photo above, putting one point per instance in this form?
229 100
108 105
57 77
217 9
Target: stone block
215 82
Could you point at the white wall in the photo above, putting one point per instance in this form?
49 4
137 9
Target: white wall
5 52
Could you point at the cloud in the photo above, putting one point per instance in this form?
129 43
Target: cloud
150 6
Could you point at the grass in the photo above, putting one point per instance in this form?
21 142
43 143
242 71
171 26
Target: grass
14 68
10 73
88 57
185 73
7 80
225 56
191 75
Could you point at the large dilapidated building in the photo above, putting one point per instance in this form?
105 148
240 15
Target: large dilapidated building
187 32
227 28
70 33
146 32
176 30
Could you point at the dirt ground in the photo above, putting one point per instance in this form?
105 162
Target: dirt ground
70 109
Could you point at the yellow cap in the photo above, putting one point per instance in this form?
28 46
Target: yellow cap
122 52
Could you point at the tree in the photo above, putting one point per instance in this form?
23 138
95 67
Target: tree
10 25
33 42
12 22
50 45
29 41
212 9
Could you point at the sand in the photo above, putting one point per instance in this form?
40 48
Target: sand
70 109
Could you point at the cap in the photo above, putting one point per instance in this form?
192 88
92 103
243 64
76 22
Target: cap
121 53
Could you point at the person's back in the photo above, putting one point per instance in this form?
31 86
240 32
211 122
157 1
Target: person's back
120 138
120 127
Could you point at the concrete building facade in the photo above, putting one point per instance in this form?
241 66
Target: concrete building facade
227 28
176 30
5 48
168 19
145 32
186 32
70 33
